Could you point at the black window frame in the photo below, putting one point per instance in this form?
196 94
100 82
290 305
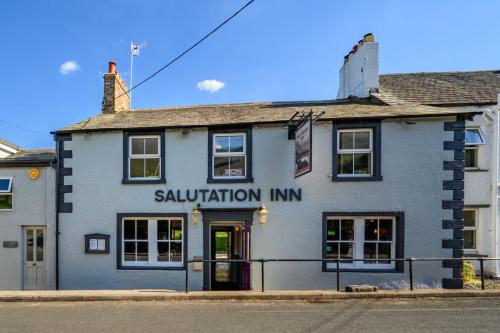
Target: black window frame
248 148
399 240
375 127
119 238
126 139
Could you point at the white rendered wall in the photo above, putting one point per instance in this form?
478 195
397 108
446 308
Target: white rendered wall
33 205
412 167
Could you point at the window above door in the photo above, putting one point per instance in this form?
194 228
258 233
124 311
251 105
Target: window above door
230 156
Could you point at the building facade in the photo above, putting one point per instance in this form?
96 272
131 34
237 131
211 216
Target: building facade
28 220
143 191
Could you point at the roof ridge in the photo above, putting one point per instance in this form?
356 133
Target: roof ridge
448 72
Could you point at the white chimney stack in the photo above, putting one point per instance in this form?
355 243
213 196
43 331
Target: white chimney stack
359 74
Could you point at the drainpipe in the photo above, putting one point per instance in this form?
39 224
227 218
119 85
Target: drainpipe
57 212
496 177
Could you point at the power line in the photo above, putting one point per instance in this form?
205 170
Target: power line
189 49
22 128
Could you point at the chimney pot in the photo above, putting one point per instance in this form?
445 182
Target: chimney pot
369 37
112 67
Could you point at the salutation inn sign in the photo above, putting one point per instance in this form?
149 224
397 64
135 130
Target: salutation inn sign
227 195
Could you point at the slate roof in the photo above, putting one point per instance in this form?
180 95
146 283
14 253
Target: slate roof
29 156
248 113
9 144
440 89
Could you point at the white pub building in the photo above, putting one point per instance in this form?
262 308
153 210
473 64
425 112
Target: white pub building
374 175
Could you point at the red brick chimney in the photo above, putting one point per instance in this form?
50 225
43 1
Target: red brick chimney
116 98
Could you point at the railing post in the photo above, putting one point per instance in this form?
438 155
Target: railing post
338 274
410 266
262 273
481 265
186 281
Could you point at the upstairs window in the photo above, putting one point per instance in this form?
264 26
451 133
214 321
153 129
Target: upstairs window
355 152
473 138
5 193
144 157
230 156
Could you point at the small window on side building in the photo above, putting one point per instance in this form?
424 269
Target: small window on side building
473 139
470 229
5 194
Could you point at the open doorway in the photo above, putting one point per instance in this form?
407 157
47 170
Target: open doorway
229 242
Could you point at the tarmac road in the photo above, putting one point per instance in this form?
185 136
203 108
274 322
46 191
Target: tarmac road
388 315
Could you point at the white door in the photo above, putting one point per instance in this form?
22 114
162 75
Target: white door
34 258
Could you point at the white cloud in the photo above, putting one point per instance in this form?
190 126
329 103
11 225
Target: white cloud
210 85
69 67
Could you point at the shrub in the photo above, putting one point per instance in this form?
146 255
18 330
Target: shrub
469 274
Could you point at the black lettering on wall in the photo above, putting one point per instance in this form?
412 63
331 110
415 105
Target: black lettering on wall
240 195
213 196
252 194
192 198
281 195
170 196
295 194
159 196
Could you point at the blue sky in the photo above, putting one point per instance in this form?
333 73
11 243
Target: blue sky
275 50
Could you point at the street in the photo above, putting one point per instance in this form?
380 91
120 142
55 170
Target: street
389 315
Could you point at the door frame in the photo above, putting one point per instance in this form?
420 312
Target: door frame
212 215
24 228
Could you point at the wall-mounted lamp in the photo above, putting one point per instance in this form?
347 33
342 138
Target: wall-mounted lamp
196 214
263 214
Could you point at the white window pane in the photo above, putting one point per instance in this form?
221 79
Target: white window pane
385 230
384 252
163 251
346 252
469 218
333 230
236 144
370 252
29 244
371 229
176 230
347 230
471 158
142 251
142 229
5 201
345 165
362 140
362 163
221 166
137 146
469 239
332 250
176 251
5 185
237 166
221 144
162 230
137 168
151 146
129 251
152 167
129 229
473 137
39 244
346 140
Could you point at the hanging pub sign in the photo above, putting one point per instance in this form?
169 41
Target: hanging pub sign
303 147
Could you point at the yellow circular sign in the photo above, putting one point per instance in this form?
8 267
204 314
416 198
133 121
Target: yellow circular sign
34 173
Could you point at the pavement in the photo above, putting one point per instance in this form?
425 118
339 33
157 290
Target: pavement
168 295
443 315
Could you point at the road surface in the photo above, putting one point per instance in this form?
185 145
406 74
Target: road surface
389 315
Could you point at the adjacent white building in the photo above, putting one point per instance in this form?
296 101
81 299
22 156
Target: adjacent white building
28 220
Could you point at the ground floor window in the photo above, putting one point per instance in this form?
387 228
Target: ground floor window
362 242
470 229
152 241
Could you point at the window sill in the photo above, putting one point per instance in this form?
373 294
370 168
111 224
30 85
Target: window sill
144 181
152 268
363 270
336 178
475 170
229 180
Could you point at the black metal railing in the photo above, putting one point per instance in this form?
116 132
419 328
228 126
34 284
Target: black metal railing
337 262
